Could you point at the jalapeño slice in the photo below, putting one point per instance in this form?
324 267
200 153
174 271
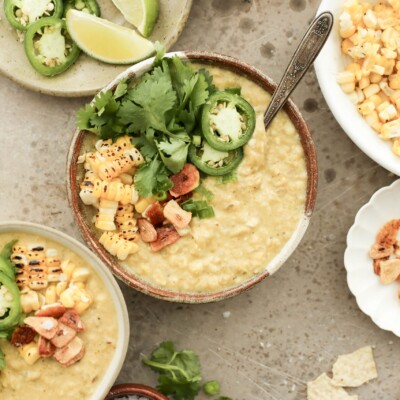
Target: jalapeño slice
22 13
214 162
49 47
10 308
88 6
227 121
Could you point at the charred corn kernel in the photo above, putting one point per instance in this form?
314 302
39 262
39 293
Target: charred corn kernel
345 77
51 294
387 53
61 287
80 274
347 28
364 83
375 78
30 301
30 353
390 129
394 81
347 45
386 111
126 179
67 298
366 108
102 144
370 19
377 70
143 203
390 38
360 95
373 121
371 90
106 215
67 268
118 246
376 99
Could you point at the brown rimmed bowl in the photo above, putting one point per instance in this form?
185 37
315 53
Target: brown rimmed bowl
74 176
133 389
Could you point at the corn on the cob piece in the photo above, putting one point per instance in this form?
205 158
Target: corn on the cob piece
106 215
127 223
118 246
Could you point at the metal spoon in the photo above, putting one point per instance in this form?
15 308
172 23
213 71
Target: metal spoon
306 52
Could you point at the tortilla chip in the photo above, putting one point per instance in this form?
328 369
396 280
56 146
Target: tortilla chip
352 370
322 389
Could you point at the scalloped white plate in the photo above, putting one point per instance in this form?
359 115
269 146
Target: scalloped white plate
376 300
331 61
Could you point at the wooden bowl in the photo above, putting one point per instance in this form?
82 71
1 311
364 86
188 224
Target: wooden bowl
87 228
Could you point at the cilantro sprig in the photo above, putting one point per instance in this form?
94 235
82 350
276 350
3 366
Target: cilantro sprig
161 113
179 371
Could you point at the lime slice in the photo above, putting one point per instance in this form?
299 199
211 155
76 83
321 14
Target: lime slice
142 14
106 41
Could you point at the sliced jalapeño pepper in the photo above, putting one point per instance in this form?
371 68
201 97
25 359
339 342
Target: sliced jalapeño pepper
10 307
88 6
22 13
227 121
49 47
214 162
6 266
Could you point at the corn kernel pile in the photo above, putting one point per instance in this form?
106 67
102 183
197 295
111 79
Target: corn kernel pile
371 37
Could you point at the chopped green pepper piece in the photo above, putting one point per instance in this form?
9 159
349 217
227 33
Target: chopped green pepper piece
10 308
228 121
22 13
211 388
88 6
198 208
49 47
214 162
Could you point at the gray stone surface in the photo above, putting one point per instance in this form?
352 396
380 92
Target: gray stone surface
291 327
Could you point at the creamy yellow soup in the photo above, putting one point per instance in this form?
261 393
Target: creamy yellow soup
47 379
255 215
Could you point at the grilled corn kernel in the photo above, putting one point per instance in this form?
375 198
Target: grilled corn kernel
80 274
67 298
118 246
143 203
30 353
371 90
51 294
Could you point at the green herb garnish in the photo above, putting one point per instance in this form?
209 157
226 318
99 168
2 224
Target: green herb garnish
179 371
199 208
2 360
211 388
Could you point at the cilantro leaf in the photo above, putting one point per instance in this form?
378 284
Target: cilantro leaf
151 179
121 88
148 103
179 371
146 144
173 153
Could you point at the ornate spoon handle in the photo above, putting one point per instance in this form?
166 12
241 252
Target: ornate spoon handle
308 49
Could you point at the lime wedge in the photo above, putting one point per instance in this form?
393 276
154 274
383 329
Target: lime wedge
106 41
142 14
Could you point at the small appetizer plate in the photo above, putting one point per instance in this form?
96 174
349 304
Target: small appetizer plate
378 301
72 245
329 63
87 76
133 389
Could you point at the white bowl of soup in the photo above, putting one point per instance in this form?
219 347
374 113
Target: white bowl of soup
102 333
259 217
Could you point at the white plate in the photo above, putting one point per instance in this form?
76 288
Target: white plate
87 76
328 64
375 299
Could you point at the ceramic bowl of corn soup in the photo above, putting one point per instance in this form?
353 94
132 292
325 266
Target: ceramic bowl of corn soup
176 185
64 326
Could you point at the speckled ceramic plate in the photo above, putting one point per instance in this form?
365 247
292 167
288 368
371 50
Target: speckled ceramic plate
87 76
375 299
329 63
